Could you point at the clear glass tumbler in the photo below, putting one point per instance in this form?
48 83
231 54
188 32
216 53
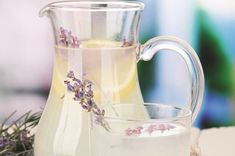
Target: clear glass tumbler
163 130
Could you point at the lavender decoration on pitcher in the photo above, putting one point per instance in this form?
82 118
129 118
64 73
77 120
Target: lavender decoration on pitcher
83 93
67 39
126 43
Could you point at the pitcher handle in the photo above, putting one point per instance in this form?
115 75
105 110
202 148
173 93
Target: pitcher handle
154 45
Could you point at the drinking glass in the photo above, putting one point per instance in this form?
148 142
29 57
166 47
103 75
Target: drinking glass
163 130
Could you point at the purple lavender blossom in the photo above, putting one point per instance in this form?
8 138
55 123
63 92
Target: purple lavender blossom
83 93
70 74
135 131
149 129
152 128
90 102
2 141
67 39
79 95
126 43
70 87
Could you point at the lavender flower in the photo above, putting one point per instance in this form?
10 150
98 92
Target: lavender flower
16 138
67 39
83 93
3 141
152 128
126 43
70 75
149 129
135 131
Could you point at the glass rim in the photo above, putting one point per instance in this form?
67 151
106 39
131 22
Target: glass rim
187 114
114 5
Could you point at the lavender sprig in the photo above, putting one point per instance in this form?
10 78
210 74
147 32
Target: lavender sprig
126 43
84 95
16 138
149 129
67 39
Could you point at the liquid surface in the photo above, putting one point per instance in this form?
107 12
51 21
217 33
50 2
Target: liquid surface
63 129
170 142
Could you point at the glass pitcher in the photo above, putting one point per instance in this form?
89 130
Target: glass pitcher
96 46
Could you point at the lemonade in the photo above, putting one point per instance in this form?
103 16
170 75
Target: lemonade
63 128
170 142
110 67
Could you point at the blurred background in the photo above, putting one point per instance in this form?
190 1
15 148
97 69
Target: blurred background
26 56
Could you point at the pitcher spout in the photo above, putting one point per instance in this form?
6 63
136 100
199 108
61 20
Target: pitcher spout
45 11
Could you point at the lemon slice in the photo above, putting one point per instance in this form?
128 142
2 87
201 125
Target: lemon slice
127 77
118 74
126 85
123 80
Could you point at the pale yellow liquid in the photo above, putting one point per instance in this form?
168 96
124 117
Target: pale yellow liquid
64 127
